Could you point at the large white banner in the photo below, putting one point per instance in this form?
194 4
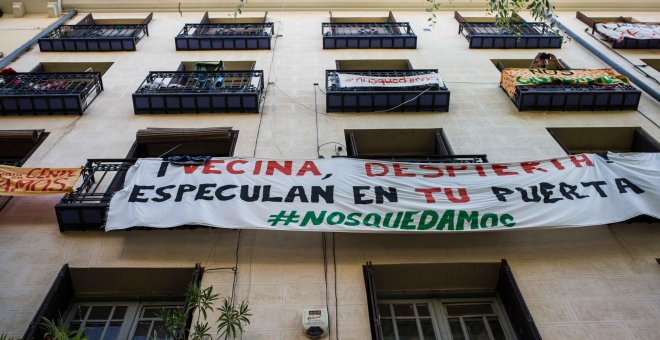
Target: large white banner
354 195
356 80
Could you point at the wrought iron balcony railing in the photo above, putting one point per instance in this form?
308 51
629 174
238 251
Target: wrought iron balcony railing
576 97
180 92
94 38
520 35
48 93
368 35
379 99
86 208
225 36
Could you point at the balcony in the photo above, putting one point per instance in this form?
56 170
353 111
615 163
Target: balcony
88 35
247 36
199 92
349 98
368 35
620 31
576 97
565 89
521 35
86 208
48 93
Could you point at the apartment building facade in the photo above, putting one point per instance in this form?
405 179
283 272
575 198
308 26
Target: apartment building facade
264 86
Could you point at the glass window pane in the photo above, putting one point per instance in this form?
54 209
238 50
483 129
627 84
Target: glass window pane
403 310
151 312
119 313
100 313
142 330
476 328
469 309
496 328
80 313
384 310
427 328
423 309
388 329
456 330
94 330
407 330
112 332
160 332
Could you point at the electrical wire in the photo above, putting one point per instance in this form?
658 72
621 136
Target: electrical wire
334 262
233 286
316 118
271 72
325 278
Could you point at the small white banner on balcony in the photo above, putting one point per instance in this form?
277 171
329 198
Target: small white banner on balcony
353 195
355 80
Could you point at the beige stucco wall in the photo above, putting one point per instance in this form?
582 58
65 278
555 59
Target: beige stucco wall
597 282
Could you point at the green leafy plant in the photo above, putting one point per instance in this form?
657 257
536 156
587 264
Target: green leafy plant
4 336
505 11
200 303
232 320
239 8
57 331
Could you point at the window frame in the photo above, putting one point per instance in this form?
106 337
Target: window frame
440 319
133 151
132 316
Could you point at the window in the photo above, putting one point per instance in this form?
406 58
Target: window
603 139
120 320
16 146
230 20
444 319
653 63
343 20
138 20
78 67
458 301
397 143
526 63
114 303
162 142
217 65
374 65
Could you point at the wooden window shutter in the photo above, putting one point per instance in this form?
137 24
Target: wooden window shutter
514 304
372 301
55 304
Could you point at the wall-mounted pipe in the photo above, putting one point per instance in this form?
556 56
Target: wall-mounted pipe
19 51
609 61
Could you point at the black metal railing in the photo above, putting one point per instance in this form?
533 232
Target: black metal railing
433 97
517 35
248 36
48 93
227 30
182 91
86 207
459 159
368 35
576 97
94 38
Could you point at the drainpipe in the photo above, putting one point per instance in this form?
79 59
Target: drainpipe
12 56
613 64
